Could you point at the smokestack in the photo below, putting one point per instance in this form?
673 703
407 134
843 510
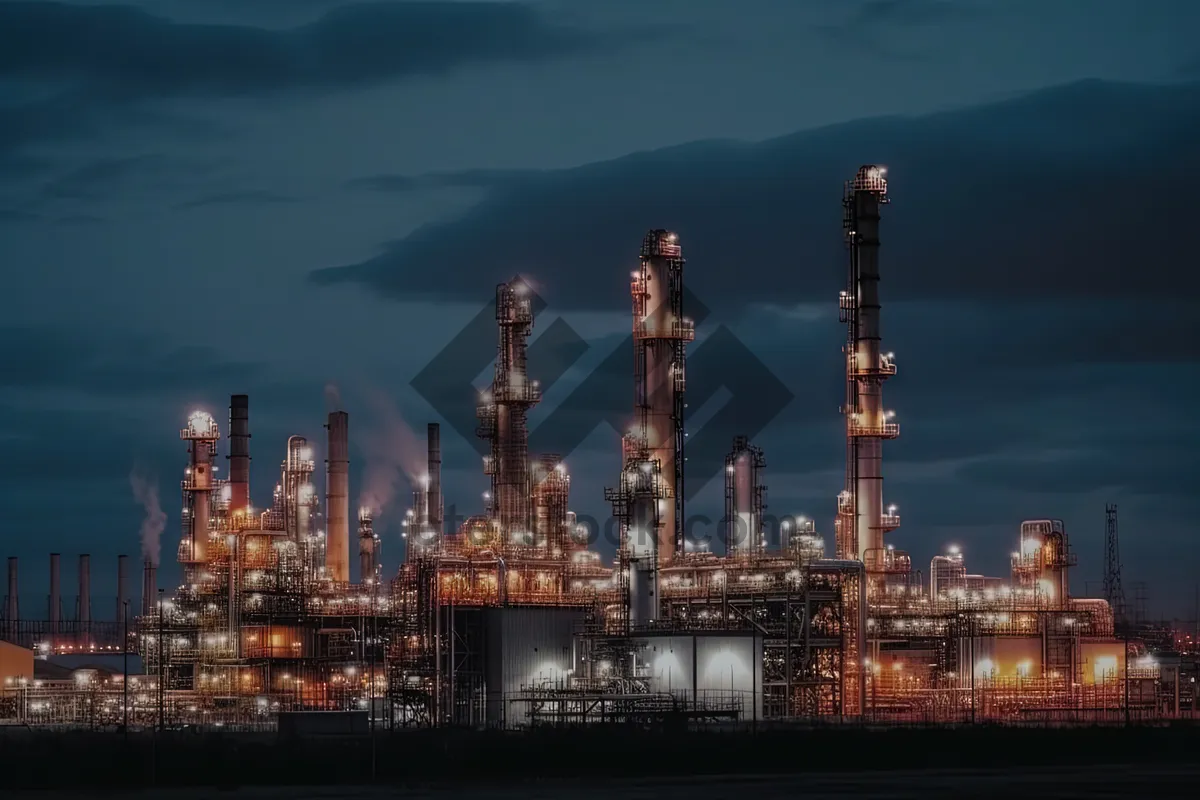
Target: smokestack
239 452
149 587
433 502
12 608
337 498
84 612
122 574
55 594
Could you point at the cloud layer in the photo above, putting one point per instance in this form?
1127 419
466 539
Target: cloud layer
84 67
133 52
1059 194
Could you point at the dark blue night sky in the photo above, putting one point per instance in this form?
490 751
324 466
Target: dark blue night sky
205 197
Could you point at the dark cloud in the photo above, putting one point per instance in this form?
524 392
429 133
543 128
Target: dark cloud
103 60
130 50
909 12
470 179
872 26
79 219
245 197
101 178
80 112
45 358
1055 195
1165 469
16 215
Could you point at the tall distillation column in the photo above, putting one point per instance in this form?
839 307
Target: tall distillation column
862 519
368 548
638 505
433 500
744 499
202 435
503 410
300 500
337 499
239 453
551 489
424 525
660 337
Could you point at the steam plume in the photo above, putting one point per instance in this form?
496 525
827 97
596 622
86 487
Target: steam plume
394 454
145 492
333 397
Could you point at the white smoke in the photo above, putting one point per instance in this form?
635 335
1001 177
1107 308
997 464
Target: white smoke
145 492
394 455
333 397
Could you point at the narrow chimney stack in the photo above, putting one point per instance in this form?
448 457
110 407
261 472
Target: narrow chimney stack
55 604
12 606
85 593
149 588
239 452
433 502
122 577
337 498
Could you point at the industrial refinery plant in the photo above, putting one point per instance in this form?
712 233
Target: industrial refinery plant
511 620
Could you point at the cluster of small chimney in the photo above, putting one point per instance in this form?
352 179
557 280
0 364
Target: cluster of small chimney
83 606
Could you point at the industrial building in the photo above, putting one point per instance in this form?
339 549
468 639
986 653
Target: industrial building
510 619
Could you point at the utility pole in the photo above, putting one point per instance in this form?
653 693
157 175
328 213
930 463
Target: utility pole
125 651
971 634
162 659
374 644
1126 638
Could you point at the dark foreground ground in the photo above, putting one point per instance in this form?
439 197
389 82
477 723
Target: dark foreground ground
1126 781
1014 763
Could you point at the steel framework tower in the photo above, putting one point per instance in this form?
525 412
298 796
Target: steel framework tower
660 337
301 503
638 504
202 435
368 548
862 519
503 411
1113 591
744 499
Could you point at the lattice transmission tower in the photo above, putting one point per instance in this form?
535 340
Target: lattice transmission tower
1113 591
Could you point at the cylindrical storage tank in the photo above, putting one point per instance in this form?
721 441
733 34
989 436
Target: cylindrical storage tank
337 498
